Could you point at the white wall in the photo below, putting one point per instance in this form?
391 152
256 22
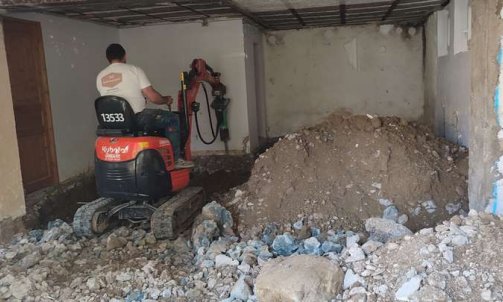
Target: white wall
255 84
311 73
449 105
163 51
74 54
11 187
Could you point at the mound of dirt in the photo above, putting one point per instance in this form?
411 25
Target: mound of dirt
350 168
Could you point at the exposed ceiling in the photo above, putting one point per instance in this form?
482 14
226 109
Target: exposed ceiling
268 14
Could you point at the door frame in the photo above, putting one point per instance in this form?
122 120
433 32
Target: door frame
44 95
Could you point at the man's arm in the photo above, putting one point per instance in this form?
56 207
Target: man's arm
155 97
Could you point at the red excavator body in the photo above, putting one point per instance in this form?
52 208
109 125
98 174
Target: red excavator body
135 167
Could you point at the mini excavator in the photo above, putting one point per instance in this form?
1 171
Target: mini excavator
135 170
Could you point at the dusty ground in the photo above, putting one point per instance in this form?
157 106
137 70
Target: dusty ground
351 168
219 173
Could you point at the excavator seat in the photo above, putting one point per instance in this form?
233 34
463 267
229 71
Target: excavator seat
117 118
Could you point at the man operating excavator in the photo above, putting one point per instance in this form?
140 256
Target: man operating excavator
131 83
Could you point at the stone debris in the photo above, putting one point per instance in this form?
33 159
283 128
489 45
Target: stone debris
383 230
276 262
391 213
408 288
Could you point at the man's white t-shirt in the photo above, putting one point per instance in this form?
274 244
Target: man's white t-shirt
126 81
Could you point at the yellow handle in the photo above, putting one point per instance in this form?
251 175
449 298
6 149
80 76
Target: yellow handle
182 78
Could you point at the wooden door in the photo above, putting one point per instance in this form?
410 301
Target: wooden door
30 95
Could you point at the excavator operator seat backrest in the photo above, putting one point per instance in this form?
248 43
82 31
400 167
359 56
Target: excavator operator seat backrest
115 116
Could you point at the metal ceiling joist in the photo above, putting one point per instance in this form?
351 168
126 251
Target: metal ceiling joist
390 10
245 13
295 15
342 9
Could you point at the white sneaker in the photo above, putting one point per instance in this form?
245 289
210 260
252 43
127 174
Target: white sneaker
183 164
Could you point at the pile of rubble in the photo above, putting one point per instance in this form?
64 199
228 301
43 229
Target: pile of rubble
456 260
353 168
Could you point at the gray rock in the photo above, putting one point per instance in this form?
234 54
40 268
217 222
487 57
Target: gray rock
284 245
383 230
350 278
391 213
312 246
92 284
381 290
352 240
123 277
436 279
402 219
138 235
357 291
36 234
60 232
299 278
241 290
329 246
355 254
114 242
223 260
204 233
20 288
298 225
486 295
269 233
429 206
220 215
385 202
459 240
55 224
452 208
448 255
30 260
150 239
408 288
371 246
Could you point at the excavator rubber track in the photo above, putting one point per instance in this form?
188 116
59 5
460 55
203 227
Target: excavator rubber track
83 219
177 214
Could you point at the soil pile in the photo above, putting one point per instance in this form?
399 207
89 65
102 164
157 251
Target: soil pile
350 168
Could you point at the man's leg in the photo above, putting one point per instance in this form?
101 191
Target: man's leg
171 123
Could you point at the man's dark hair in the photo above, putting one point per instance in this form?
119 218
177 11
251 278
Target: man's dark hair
115 52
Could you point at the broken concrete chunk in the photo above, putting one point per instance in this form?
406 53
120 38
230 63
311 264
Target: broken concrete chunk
371 246
402 219
220 215
223 260
312 246
204 233
391 213
408 288
383 230
350 278
284 245
114 242
429 206
241 290
352 240
355 254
